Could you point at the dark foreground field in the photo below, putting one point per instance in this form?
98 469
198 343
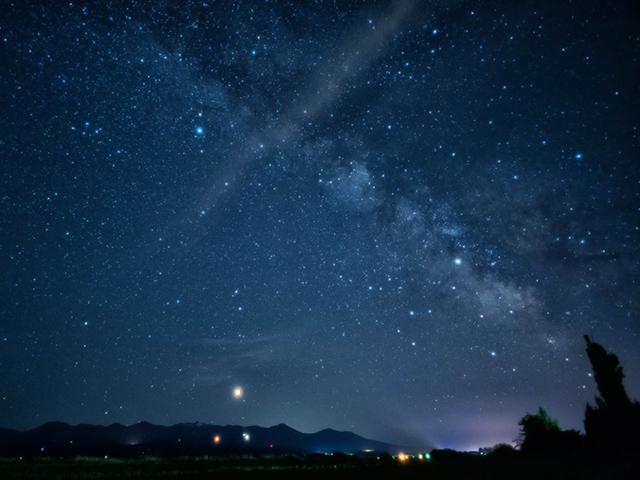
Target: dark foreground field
311 467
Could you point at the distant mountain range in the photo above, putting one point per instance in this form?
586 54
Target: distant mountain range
57 438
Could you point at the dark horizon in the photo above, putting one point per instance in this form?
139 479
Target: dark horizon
391 218
193 439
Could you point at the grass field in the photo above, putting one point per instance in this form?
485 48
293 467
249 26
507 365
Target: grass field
289 467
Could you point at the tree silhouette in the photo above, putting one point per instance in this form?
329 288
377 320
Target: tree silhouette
609 376
535 428
541 434
613 424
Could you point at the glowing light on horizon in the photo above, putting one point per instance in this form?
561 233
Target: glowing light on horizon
217 439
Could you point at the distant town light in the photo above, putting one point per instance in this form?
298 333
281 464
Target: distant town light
217 439
403 457
246 437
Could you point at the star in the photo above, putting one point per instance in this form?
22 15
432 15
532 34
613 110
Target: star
237 392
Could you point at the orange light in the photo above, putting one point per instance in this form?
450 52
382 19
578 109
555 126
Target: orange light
403 457
217 439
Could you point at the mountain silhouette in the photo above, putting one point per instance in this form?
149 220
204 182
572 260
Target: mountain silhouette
144 438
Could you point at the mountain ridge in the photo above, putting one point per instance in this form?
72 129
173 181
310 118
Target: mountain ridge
190 438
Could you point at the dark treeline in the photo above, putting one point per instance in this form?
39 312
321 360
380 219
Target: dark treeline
609 448
612 425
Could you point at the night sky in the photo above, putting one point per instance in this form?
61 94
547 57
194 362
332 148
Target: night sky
392 218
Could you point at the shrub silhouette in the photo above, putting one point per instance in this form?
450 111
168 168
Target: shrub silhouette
503 452
613 424
535 425
541 434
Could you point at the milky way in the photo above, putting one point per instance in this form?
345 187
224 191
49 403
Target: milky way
392 218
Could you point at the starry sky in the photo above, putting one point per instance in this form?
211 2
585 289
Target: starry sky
396 218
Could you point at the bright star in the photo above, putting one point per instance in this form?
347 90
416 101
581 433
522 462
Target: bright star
237 392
